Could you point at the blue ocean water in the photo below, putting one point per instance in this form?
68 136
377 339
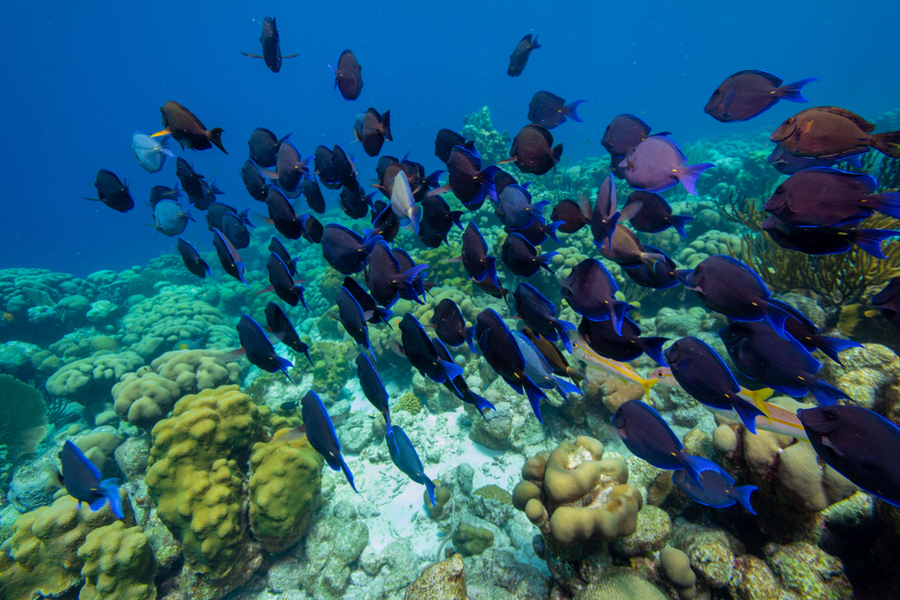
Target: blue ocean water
79 80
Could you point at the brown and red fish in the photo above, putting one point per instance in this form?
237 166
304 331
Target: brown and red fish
747 94
188 130
832 132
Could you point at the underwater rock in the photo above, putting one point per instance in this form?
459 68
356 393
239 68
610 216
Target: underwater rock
445 580
577 500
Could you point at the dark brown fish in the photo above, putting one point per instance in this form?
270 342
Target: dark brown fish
187 130
348 75
747 94
519 57
549 110
832 132
371 129
532 150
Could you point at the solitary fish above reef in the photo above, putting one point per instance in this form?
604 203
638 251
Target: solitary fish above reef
549 110
540 314
112 192
384 278
187 130
702 373
371 129
519 57
348 75
521 257
263 147
782 364
169 218
590 290
826 240
444 142
859 444
259 349
282 328
192 260
271 48
718 489
149 152
533 151
747 94
373 388
352 317
888 302
733 289
83 481
450 326
282 283
627 346
574 215
321 434
228 256
658 164
832 132
654 215
649 437
825 196
404 456
539 370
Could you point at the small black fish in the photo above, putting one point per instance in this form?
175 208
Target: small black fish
421 353
444 142
313 194
622 134
519 57
112 192
351 316
404 456
228 256
450 326
282 214
276 247
502 353
521 257
282 328
323 162
747 94
187 130
259 349
263 147
348 75
858 443
654 214
373 387
540 314
888 302
549 110
590 290
371 311
190 179
371 129
782 364
601 336
321 434
83 481
282 283
574 215
533 151
192 260
384 278
253 181
660 276
271 48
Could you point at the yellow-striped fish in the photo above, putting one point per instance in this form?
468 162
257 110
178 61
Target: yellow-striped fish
615 368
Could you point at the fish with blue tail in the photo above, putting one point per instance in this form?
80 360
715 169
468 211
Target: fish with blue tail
83 481
404 456
321 434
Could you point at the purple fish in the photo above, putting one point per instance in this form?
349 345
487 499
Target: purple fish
658 164
747 94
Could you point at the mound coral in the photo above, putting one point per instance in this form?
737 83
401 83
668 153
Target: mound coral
578 500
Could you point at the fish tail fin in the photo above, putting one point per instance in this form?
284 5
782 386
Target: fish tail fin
429 485
678 222
888 204
386 126
407 282
480 402
869 240
109 490
791 91
214 135
552 230
652 347
688 175
695 465
545 259
742 495
347 473
748 413
617 312
565 387
832 347
887 143
827 394
569 111
534 395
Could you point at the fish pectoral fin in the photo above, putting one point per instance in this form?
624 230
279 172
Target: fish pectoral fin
255 55
163 132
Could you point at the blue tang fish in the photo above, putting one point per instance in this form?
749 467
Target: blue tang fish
718 489
404 456
321 434
82 481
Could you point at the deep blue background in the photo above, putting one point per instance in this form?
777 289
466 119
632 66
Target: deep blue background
77 82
